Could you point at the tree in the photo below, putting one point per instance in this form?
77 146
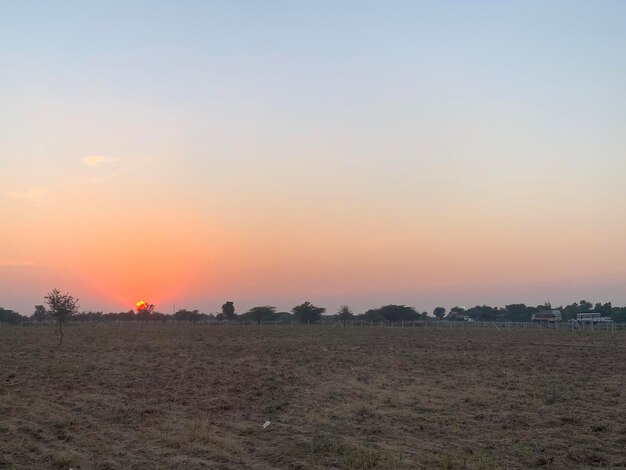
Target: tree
61 307
345 314
187 315
518 312
307 312
127 316
144 311
569 312
261 313
585 306
485 313
439 313
392 313
605 309
619 314
10 316
40 313
228 310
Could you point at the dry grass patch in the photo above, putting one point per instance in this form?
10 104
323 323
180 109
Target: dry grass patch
159 396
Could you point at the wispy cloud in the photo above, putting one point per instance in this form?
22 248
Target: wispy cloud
94 161
34 194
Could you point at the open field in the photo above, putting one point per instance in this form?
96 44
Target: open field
164 396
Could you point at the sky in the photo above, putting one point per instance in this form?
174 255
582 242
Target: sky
364 153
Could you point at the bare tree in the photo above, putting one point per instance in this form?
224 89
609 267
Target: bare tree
345 314
144 311
61 307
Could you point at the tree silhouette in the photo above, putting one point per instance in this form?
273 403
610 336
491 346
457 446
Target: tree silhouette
392 313
40 313
145 312
261 313
9 316
61 307
439 313
187 315
228 310
307 312
345 314
519 312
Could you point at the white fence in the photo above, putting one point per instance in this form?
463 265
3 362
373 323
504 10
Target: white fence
331 322
442 324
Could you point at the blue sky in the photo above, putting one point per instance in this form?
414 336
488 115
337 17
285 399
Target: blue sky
411 152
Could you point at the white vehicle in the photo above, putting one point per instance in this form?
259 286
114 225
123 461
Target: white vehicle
592 317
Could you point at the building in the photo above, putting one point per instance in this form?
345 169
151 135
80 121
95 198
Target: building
548 316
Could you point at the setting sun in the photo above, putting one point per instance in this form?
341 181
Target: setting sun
141 305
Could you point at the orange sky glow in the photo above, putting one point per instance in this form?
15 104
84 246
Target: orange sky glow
419 155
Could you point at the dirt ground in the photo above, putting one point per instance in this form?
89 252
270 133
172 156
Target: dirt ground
134 396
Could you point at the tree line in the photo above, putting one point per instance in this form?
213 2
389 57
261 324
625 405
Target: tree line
309 313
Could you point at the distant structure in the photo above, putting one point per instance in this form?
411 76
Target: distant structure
592 317
548 316
457 316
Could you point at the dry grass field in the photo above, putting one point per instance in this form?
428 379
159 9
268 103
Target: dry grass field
165 396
